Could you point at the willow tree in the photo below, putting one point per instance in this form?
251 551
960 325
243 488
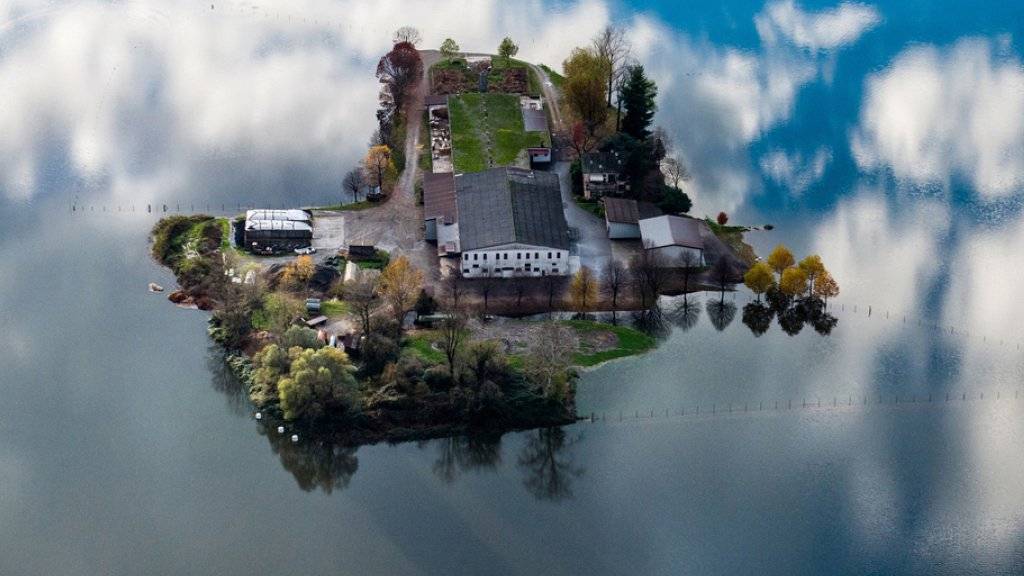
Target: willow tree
449 48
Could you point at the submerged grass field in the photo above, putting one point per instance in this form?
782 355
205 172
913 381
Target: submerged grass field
494 121
630 342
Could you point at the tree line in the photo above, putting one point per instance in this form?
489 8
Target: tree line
594 76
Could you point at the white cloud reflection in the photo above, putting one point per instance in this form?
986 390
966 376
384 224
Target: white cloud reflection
151 99
823 30
793 171
723 99
939 113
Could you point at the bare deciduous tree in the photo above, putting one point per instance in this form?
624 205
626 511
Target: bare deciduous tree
611 44
453 333
407 34
353 183
552 287
614 276
486 287
688 261
361 295
649 275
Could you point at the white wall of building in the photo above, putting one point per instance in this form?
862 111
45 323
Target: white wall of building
672 255
621 230
514 261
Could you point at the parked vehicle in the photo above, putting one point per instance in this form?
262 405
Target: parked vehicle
306 250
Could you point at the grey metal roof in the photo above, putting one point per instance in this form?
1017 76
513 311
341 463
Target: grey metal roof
510 206
261 214
535 120
277 225
663 231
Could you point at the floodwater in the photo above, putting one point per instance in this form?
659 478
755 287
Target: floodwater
887 137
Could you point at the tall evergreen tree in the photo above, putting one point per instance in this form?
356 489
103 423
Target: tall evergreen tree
638 98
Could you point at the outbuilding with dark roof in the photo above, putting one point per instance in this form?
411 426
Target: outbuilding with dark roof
622 216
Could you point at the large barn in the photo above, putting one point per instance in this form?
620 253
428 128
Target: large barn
511 223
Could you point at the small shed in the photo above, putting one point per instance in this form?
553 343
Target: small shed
359 253
622 216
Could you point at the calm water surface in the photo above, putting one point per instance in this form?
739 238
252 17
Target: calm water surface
888 137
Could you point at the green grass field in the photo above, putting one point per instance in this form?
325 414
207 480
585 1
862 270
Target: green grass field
630 342
502 125
421 344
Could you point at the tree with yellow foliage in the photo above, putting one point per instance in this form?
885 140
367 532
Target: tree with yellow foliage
825 286
812 267
780 259
793 282
759 279
399 285
297 274
379 167
583 289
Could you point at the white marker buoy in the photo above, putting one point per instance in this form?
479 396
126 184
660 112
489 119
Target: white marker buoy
280 429
295 438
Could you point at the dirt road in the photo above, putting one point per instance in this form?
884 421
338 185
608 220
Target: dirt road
397 224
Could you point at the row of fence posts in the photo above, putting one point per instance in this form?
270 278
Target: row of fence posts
179 208
856 309
728 409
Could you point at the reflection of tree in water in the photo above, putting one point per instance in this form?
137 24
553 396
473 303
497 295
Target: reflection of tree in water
824 323
721 313
315 464
651 322
757 317
685 315
807 311
792 319
224 381
465 453
548 464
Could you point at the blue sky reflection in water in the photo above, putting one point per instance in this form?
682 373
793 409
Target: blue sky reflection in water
887 136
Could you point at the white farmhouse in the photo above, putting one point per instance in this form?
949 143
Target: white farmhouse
511 223
671 236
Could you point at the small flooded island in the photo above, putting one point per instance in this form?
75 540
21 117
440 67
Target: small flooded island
508 227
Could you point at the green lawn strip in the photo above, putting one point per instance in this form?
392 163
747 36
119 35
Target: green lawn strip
465 115
421 344
333 308
557 79
630 342
504 124
377 263
361 205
